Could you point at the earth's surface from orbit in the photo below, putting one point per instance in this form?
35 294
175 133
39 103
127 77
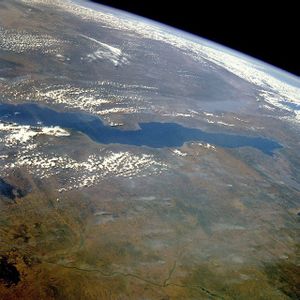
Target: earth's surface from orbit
140 162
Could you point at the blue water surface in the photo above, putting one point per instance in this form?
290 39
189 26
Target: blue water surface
153 134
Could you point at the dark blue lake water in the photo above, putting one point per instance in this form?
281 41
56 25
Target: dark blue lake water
154 134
